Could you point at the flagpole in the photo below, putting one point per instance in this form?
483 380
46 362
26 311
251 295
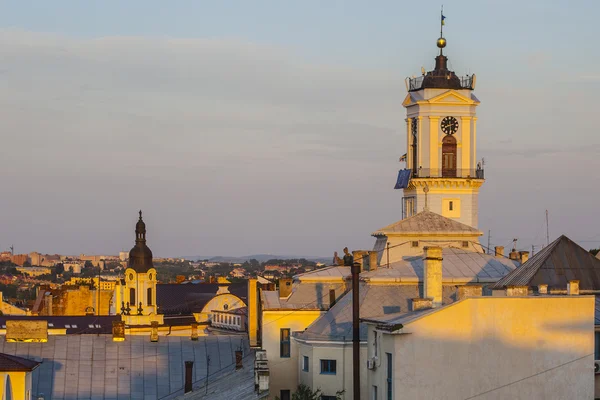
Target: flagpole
442 22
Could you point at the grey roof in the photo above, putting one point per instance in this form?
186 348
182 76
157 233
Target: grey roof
427 222
308 295
555 265
458 265
375 300
14 363
328 273
93 366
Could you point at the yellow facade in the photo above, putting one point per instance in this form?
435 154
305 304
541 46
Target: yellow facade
17 383
283 370
538 347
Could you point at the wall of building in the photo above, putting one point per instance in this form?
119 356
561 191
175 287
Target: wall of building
20 385
494 348
221 302
283 371
328 383
401 246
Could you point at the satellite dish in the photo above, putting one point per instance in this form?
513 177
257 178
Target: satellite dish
473 81
422 70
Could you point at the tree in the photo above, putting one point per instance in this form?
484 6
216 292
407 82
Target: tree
304 392
59 268
594 251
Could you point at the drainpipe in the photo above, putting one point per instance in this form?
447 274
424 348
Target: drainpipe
355 332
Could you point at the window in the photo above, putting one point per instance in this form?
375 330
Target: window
409 207
328 367
390 394
451 205
132 296
284 395
305 364
465 244
284 344
415 243
374 392
149 296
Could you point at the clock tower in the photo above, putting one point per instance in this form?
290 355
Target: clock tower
442 172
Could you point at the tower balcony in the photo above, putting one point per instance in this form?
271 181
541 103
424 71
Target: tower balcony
443 80
476 173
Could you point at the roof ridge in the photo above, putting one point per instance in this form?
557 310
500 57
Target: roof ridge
440 224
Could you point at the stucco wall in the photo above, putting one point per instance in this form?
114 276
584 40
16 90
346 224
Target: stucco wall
283 371
342 380
495 348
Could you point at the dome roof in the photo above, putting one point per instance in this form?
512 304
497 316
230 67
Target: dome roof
441 77
140 256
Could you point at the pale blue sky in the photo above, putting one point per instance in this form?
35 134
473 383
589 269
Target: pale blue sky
247 127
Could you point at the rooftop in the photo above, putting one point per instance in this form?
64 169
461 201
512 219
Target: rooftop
430 223
555 265
458 266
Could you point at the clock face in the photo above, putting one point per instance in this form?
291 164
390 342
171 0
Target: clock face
414 126
449 125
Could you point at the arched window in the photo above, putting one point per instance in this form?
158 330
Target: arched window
132 296
449 157
149 296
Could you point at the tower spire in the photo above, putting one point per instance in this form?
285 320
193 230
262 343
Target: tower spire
441 42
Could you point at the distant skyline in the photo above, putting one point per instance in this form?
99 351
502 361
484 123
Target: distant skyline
269 127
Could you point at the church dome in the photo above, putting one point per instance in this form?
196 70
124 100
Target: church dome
140 256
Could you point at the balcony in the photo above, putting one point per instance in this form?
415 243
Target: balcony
444 81
448 173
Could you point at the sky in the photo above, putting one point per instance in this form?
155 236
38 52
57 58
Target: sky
276 127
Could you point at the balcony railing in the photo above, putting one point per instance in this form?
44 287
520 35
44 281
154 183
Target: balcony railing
416 83
448 173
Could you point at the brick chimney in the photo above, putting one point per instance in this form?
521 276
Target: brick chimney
360 256
466 291
285 287
517 291
499 251
421 304
154 331
194 331
331 297
524 256
543 288
432 274
573 288
118 331
514 255
373 260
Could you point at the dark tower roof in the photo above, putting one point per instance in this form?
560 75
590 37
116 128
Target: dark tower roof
441 77
140 256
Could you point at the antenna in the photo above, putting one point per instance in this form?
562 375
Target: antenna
514 244
489 240
547 230
12 250
422 70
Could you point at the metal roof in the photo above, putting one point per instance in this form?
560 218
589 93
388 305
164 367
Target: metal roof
555 265
96 367
427 222
305 295
14 363
375 300
458 265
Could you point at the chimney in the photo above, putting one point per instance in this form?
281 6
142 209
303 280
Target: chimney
421 304
466 291
331 297
372 260
543 288
118 331
514 255
285 287
517 291
432 274
360 257
154 331
194 328
573 288
189 369
238 360
524 256
499 251
253 312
